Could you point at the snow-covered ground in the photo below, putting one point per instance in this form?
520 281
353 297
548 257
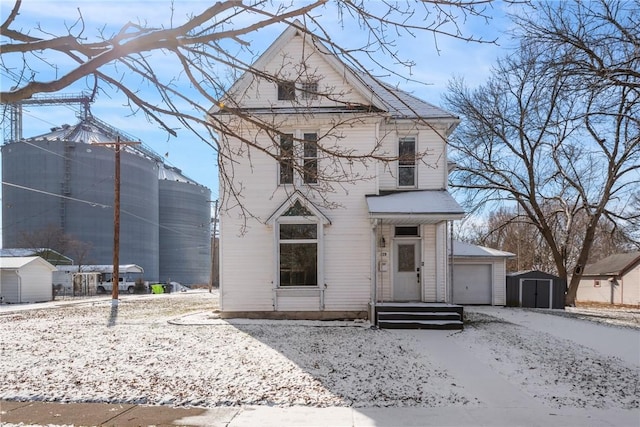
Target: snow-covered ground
172 349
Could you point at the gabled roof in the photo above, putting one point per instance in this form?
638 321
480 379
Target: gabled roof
463 250
383 97
14 263
614 265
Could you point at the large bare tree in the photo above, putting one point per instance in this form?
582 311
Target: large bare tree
556 129
210 49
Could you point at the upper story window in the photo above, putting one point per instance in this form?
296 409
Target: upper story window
310 158
286 91
309 90
298 151
286 158
407 162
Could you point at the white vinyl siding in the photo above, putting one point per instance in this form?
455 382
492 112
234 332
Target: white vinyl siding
262 93
248 273
431 170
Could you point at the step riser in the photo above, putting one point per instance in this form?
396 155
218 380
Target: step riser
417 316
396 309
450 326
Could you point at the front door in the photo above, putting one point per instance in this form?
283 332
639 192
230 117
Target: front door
406 284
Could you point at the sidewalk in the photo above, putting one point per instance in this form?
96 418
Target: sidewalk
98 414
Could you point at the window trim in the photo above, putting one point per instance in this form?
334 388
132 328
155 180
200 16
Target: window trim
286 90
399 166
319 249
299 160
309 90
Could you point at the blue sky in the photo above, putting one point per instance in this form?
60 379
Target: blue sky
471 60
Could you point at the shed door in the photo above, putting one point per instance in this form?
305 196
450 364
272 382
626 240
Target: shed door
536 293
472 284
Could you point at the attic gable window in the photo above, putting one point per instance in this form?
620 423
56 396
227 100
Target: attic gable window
309 90
286 91
297 210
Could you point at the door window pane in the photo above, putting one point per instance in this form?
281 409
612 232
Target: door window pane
406 257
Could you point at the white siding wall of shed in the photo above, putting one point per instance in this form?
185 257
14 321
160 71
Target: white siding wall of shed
9 286
36 283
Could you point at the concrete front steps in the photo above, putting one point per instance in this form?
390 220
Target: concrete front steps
418 315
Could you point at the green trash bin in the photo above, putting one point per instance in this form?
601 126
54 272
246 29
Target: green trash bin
157 289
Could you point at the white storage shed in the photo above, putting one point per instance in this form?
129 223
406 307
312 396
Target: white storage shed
25 279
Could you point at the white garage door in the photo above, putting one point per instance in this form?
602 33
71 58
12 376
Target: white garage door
472 284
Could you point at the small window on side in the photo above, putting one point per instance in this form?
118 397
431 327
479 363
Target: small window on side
309 90
286 91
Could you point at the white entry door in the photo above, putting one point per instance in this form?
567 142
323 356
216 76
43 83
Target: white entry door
406 284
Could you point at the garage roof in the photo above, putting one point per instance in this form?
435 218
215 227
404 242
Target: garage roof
462 249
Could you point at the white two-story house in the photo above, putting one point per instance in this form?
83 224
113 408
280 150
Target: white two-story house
306 233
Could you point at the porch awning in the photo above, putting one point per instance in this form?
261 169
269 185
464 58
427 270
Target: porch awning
415 207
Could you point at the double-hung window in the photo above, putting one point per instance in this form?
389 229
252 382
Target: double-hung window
407 162
310 159
286 158
298 152
309 90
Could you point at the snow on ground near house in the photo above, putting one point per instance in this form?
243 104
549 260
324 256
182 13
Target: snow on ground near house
172 349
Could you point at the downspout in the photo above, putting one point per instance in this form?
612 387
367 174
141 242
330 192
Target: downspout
374 283
449 292
19 286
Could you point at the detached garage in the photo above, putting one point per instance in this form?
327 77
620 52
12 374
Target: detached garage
535 289
25 280
478 274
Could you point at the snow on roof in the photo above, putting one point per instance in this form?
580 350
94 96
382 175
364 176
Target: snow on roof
401 104
126 268
15 262
462 249
415 202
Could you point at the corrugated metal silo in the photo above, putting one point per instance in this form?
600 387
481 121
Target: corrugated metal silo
185 239
74 189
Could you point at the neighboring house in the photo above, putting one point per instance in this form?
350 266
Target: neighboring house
612 280
479 274
312 254
25 280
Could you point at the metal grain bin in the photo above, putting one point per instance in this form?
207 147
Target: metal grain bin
185 223
60 179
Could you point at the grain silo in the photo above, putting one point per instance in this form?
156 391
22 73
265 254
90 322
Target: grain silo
61 179
185 238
